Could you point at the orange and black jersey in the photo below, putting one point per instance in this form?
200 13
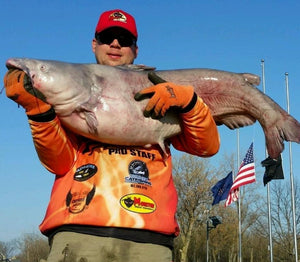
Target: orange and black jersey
101 185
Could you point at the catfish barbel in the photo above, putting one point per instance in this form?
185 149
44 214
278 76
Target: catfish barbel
97 101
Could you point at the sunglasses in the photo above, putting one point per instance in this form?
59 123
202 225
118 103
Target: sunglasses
125 40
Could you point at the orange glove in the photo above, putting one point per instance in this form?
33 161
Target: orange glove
165 95
19 89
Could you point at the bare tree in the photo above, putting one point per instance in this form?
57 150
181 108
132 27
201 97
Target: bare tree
282 219
7 250
192 179
33 247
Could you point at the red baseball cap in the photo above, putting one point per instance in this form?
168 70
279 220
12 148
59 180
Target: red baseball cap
117 18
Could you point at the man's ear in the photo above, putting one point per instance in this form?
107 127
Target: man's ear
136 51
94 43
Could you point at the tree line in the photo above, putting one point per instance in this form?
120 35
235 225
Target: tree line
194 178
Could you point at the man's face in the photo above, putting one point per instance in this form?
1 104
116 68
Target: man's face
114 46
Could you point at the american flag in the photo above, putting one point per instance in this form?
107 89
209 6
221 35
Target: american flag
246 175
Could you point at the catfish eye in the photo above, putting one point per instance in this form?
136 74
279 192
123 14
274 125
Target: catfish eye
43 68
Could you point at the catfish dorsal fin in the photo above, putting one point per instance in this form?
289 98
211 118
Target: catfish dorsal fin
251 78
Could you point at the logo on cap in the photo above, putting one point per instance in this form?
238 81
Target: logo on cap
118 16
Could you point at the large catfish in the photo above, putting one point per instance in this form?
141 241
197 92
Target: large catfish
97 101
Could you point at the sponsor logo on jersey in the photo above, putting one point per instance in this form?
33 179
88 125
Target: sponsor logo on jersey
138 173
138 203
85 172
76 202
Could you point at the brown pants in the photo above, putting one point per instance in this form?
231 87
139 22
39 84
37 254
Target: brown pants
75 247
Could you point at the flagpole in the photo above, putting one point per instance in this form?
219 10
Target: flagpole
268 185
245 175
239 200
291 174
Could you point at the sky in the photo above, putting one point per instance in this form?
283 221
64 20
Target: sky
229 35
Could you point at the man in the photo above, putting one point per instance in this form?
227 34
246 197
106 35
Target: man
111 202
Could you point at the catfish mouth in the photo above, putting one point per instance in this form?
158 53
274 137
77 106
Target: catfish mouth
13 63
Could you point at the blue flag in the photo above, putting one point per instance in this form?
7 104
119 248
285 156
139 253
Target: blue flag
221 189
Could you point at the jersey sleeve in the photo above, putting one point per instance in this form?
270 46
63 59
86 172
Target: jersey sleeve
199 134
55 147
